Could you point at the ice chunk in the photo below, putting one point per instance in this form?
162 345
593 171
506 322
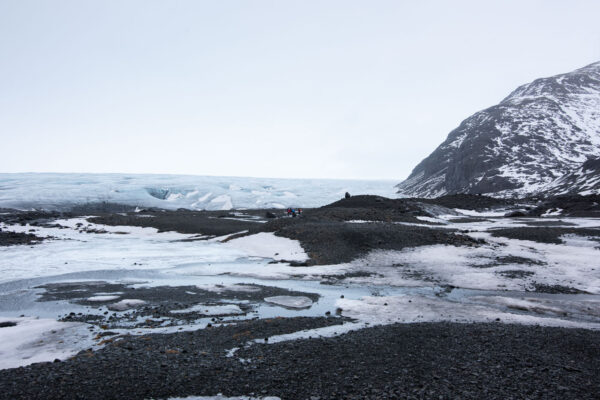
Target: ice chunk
290 301
224 200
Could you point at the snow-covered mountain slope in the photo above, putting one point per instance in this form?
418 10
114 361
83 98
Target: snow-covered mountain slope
539 134
62 191
585 180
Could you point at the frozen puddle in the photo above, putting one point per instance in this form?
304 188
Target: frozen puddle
290 301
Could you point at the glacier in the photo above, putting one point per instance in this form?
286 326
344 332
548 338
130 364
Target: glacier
61 191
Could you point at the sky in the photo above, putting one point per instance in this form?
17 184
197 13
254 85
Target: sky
316 89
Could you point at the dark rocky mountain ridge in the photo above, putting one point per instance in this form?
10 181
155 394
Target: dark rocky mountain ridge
543 138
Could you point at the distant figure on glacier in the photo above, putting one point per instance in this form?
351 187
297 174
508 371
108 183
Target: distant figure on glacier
347 195
292 212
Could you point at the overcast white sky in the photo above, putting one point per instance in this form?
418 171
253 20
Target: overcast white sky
327 89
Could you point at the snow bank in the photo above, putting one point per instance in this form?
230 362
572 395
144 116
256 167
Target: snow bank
290 301
267 245
36 340
573 264
431 219
141 248
414 308
102 298
323 332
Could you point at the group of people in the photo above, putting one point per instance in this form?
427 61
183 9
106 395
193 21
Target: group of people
293 212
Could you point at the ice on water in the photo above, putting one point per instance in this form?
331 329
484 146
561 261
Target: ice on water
290 301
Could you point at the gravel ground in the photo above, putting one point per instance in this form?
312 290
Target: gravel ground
335 242
429 360
324 232
571 205
543 234
15 238
469 201
212 223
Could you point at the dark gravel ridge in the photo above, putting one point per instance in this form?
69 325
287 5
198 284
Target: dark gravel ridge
468 201
571 205
544 234
427 360
323 232
211 223
335 242
15 238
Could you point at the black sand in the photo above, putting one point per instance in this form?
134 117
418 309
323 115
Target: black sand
421 361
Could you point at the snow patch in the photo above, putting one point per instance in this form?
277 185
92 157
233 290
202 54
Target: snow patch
413 309
34 340
102 298
125 304
268 245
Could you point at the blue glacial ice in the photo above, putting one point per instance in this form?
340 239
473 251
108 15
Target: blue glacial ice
57 191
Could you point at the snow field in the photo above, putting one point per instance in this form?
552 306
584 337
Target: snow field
34 340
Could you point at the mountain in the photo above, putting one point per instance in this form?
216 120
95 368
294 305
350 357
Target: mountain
545 136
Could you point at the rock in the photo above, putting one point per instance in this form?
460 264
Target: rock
517 213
